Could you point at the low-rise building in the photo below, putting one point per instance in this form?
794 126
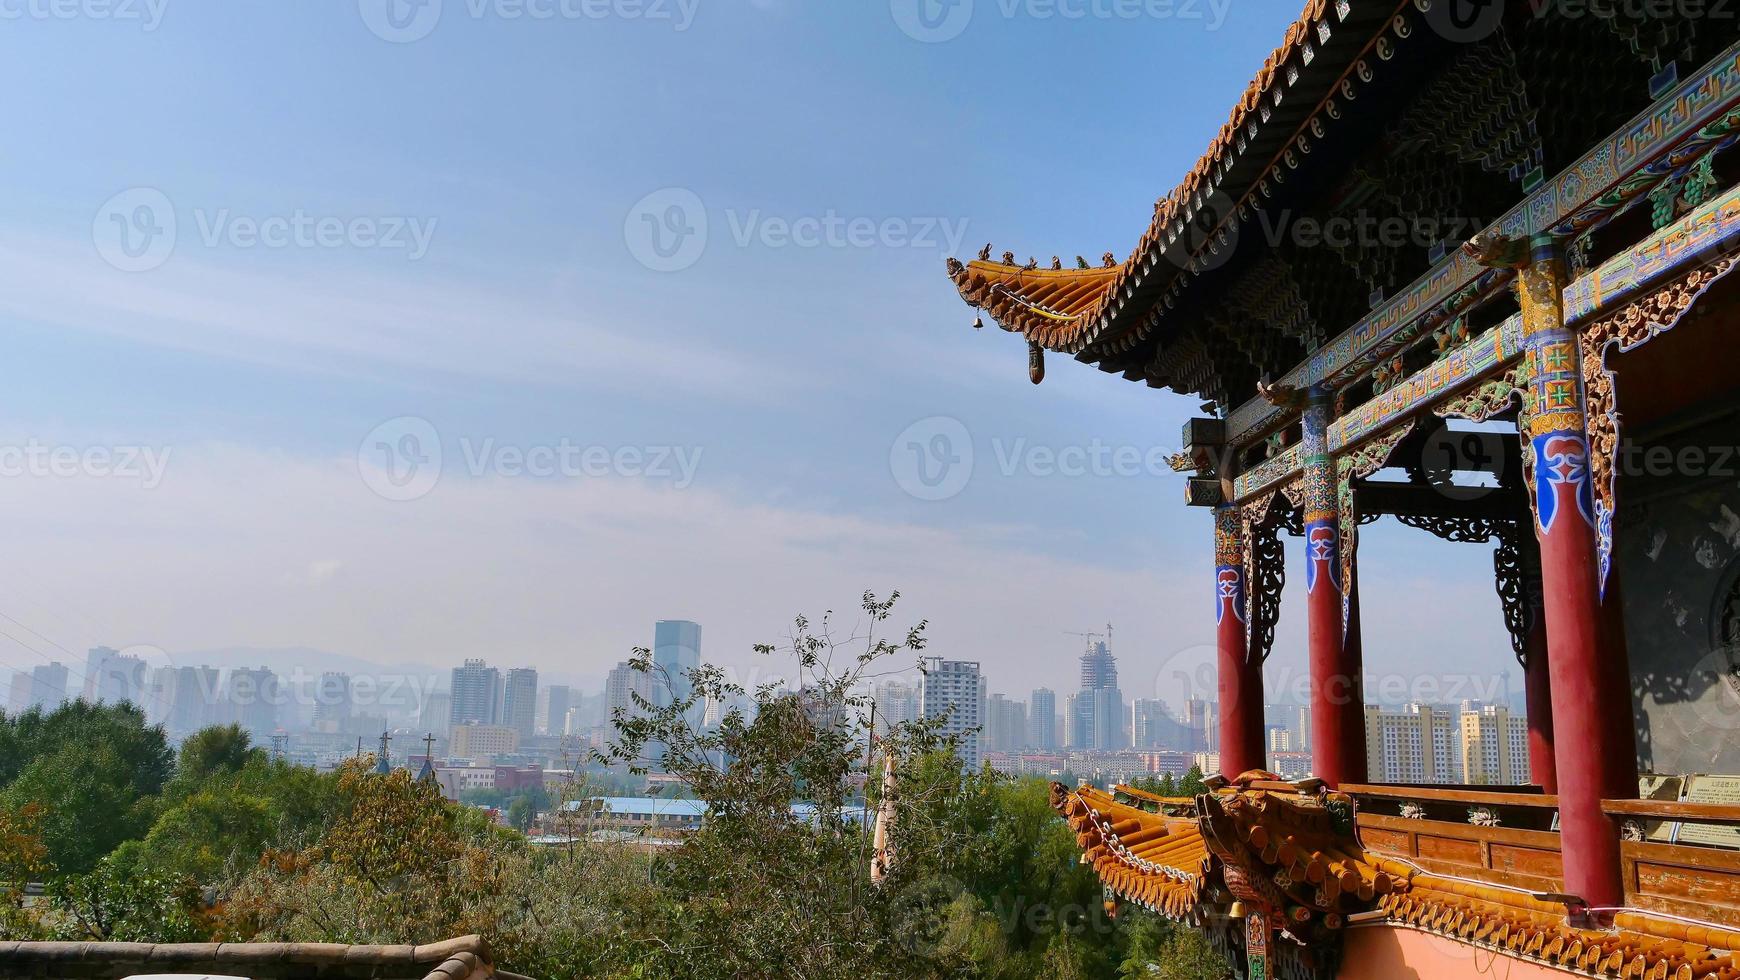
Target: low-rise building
483 743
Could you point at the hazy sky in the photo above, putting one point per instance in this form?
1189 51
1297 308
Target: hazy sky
655 288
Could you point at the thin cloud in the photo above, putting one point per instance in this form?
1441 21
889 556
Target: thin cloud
405 326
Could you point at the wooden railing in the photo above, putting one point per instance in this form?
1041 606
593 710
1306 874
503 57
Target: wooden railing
1676 878
1438 834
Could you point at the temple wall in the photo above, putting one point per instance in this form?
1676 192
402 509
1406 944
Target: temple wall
1389 953
1677 547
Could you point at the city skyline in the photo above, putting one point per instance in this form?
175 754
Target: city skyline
491 715
528 286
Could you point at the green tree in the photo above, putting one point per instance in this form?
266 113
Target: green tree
1192 785
90 803
522 812
23 859
212 834
214 751
112 904
142 751
759 891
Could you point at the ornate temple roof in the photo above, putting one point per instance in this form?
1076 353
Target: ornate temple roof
1045 305
1265 844
1069 310
1158 862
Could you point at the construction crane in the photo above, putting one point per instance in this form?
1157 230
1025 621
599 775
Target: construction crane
1091 637
1087 638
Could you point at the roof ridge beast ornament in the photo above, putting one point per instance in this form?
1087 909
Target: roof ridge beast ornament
1497 251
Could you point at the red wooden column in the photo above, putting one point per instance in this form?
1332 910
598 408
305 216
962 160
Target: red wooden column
1538 681
1337 701
1587 671
1240 680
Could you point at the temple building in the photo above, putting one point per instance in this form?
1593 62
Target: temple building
1557 383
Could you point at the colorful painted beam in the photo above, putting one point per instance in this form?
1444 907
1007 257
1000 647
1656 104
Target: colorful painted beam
1706 232
1461 368
1703 111
1710 230
1275 469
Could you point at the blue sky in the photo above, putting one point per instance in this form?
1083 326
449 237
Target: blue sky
486 188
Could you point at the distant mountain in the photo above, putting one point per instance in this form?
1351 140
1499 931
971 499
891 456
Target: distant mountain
309 659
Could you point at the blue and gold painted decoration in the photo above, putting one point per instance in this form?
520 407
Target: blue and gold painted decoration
1322 556
1701 115
1229 560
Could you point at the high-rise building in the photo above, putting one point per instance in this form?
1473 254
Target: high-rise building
1494 746
1097 719
553 709
620 688
1005 724
1042 720
1421 743
114 677
676 652
1074 731
1202 722
520 701
435 714
896 704
1108 719
18 697
48 685
251 699
332 703
477 694
1280 738
1151 725
954 691
185 698
94 660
